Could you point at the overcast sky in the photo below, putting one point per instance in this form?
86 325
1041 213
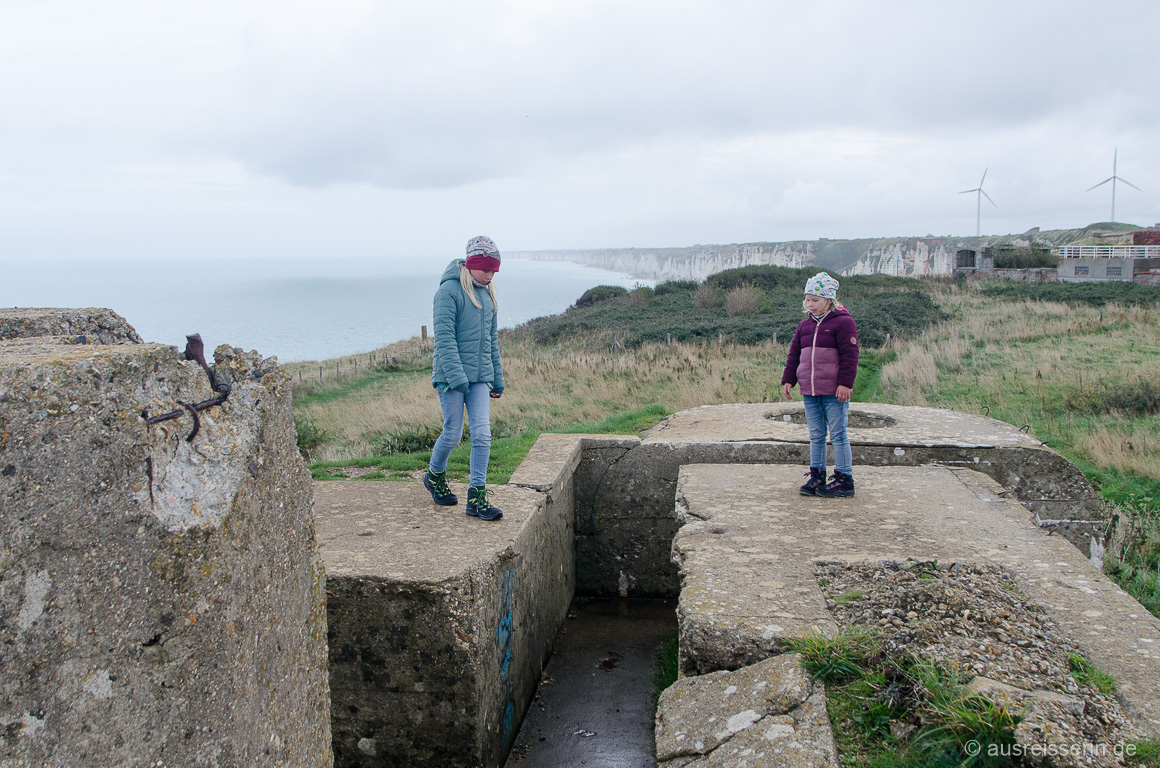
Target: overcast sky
161 128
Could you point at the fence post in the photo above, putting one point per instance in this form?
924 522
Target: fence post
424 331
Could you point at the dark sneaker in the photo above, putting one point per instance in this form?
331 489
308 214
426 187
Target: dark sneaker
436 482
816 481
840 485
479 506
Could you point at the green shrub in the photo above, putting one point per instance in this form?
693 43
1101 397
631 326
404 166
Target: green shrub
1134 398
408 440
640 296
309 436
676 286
600 293
1090 293
1024 258
879 304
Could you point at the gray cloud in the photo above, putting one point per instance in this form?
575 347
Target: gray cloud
566 124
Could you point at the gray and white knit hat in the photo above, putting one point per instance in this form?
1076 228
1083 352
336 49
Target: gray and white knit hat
822 285
482 254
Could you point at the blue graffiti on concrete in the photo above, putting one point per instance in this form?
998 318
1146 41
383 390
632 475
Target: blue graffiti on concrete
503 638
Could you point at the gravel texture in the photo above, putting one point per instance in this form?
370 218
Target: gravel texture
972 619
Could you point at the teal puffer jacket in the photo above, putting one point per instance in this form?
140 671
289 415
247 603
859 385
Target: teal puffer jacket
466 337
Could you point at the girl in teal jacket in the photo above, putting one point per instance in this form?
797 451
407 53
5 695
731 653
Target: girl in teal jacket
466 371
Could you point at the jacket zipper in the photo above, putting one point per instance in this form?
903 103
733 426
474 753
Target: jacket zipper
482 321
814 350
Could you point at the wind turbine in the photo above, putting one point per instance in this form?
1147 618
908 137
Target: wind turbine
979 207
1114 178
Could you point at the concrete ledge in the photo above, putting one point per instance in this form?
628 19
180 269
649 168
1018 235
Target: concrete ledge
439 623
747 563
70 326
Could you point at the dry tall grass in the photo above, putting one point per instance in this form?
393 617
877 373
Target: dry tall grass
552 387
1029 363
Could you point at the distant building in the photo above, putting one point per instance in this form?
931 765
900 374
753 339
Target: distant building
1085 263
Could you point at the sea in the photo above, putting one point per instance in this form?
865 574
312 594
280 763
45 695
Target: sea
297 310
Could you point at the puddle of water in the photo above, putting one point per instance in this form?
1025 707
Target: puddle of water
594 703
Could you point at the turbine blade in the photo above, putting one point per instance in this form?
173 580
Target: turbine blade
968 191
984 177
1105 181
989 198
1130 184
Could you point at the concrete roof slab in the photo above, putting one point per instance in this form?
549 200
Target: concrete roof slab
393 530
870 424
750 558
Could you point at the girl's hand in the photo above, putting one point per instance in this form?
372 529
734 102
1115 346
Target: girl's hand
496 393
785 390
844 394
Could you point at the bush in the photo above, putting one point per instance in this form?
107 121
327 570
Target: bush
309 436
1136 398
1023 258
708 296
640 296
880 304
409 440
1093 294
675 286
600 293
744 299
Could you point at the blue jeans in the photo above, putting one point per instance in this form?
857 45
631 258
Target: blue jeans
478 402
825 412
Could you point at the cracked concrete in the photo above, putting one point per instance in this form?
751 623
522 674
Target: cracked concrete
747 562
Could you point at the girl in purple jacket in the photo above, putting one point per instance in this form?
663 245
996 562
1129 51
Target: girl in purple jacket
823 359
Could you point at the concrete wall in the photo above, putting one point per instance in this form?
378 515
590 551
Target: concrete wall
625 518
1097 269
161 598
440 672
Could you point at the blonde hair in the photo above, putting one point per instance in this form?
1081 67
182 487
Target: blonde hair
832 306
469 288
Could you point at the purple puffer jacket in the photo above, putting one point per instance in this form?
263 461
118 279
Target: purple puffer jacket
823 354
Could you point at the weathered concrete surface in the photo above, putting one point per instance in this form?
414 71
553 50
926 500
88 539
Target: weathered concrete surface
71 326
765 715
625 485
747 562
161 600
440 623
895 435
624 508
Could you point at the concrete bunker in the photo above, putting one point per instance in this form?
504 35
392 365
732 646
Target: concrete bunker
161 594
595 516
162 597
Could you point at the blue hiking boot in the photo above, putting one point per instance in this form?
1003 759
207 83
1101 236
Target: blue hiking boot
479 506
436 482
840 485
816 481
